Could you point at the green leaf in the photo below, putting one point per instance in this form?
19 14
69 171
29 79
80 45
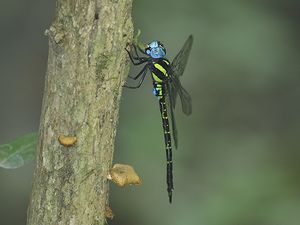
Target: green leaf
18 152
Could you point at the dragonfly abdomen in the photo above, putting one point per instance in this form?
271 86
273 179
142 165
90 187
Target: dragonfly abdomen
168 145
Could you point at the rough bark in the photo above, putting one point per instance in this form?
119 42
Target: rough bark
87 66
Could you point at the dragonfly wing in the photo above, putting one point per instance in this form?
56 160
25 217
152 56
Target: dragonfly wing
176 70
186 100
179 63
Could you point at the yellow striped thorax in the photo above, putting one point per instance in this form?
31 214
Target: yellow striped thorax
159 72
160 69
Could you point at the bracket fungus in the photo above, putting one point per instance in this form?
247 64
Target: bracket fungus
122 175
108 213
67 141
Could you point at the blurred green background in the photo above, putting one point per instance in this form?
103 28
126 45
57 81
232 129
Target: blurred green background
239 152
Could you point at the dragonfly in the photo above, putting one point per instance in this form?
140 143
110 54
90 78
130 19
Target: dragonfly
166 87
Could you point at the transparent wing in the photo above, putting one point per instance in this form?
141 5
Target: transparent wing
179 62
176 70
186 100
174 87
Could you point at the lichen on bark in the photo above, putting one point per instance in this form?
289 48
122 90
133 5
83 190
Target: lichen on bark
87 66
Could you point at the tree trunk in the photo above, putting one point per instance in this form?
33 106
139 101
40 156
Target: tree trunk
87 66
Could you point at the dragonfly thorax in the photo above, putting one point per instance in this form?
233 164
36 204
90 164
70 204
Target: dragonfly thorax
159 70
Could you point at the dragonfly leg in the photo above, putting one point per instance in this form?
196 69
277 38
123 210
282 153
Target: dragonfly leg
142 73
140 60
136 52
139 74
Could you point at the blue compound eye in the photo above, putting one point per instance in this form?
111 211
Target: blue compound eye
156 53
155 50
153 44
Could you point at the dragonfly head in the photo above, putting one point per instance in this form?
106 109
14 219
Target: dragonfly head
155 50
